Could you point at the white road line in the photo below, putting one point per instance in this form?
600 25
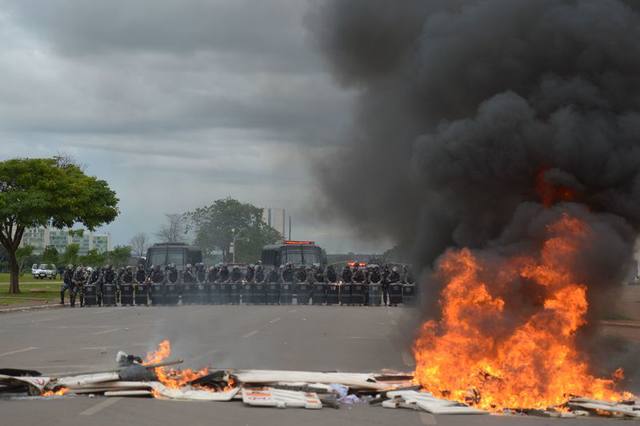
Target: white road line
293 311
428 419
407 359
111 330
19 351
275 320
251 333
99 406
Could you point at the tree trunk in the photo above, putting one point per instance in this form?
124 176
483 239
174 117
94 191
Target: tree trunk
14 269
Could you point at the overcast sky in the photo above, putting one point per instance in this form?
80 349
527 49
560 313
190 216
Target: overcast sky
175 103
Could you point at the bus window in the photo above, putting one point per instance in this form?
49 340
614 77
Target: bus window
293 255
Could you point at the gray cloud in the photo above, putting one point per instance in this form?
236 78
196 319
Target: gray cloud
196 99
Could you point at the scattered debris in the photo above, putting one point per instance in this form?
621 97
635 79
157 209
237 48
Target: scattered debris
135 377
427 402
623 408
271 397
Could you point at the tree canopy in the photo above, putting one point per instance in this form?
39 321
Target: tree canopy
48 192
215 227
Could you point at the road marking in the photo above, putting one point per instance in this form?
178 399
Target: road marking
251 333
293 311
99 406
273 321
407 359
111 330
428 419
19 351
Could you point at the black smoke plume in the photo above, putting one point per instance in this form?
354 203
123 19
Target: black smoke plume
464 107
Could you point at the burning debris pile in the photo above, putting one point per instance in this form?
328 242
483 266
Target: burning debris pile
524 359
156 376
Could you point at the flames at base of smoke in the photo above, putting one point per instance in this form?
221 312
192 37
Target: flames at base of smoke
480 352
172 378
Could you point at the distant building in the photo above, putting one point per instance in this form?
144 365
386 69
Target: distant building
40 238
277 219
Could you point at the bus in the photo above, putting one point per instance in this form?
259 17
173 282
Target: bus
179 254
298 253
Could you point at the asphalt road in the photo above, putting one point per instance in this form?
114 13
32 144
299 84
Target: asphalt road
358 339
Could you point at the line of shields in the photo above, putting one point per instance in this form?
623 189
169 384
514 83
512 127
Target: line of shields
248 293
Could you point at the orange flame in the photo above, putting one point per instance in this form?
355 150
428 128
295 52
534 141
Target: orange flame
549 193
173 378
59 392
477 353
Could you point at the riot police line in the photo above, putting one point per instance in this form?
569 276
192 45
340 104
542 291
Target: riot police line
222 284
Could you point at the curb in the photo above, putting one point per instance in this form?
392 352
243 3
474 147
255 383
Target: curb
29 308
631 324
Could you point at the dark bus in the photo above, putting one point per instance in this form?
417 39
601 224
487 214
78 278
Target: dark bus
296 252
179 254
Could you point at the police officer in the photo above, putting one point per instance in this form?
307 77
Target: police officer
236 274
347 275
141 275
358 275
67 280
157 276
127 276
374 276
319 274
188 277
259 276
201 273
250 274
79 278
301 274
109 275
332 277
394 277
385 284
273 276
212 274
223 276
288 274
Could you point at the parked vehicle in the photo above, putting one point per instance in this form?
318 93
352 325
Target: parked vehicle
43 271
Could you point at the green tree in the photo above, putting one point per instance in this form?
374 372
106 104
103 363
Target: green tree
119 256
70 255
51 255
93 258
24 255
216 226
250 242
48 192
